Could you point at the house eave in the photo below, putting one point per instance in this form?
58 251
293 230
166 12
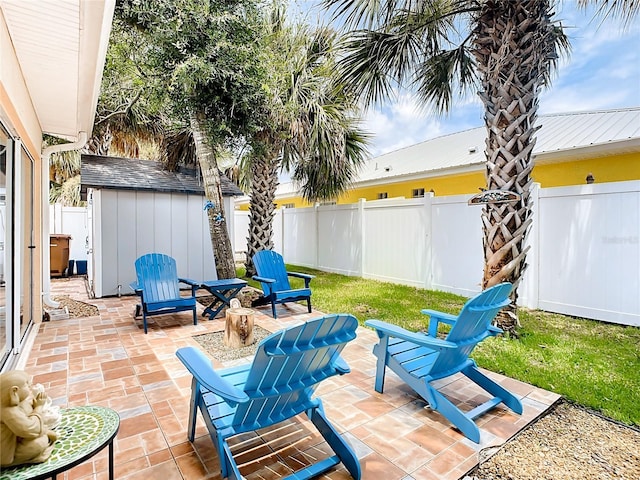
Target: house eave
61 48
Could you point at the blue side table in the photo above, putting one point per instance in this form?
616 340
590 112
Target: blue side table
223 291
83 432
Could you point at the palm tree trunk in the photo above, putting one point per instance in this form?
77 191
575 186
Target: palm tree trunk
512 41
264 183
220 242
100 142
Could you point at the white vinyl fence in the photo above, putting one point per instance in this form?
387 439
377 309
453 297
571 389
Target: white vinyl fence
584 258
71 221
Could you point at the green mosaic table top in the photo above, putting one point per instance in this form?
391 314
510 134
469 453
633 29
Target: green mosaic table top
83 431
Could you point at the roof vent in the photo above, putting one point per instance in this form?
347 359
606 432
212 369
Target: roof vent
472 150
387 168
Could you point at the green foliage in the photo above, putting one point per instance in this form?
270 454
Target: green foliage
311 120
67 193
206 56
427 47
592 363
133 106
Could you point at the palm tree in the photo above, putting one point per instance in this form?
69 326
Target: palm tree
311 128
440 48
200 62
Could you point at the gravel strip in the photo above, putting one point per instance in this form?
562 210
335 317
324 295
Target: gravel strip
570 443
76 308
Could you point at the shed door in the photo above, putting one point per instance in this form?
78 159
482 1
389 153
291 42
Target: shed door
89 245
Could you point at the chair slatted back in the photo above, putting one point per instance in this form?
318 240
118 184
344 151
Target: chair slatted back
289 364
270 264
472 325
157 277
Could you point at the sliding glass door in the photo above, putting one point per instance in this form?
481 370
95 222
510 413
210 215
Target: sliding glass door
17 181
26 246
6 155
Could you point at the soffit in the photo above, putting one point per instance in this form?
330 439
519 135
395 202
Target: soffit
61 47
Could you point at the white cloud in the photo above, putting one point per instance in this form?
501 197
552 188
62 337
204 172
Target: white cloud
403 122
602 72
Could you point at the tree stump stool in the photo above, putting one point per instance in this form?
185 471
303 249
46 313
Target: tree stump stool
238 329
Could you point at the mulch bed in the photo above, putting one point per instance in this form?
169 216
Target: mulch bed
570 443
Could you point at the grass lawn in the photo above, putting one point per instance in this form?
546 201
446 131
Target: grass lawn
592 363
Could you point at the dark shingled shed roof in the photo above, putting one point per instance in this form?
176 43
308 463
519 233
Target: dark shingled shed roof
118 173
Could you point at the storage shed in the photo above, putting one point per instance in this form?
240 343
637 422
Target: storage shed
136 207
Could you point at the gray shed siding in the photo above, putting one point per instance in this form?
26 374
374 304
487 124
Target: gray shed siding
126 224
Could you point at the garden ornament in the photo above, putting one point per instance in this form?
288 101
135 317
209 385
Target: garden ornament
24 435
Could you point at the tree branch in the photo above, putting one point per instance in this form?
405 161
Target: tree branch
121 112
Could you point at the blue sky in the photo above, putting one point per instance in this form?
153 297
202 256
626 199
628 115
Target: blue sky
602 72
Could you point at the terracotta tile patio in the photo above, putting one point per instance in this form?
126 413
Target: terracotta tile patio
108 360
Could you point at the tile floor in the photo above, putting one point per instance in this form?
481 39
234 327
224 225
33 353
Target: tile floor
108 360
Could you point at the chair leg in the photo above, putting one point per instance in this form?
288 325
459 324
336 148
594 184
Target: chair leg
309 304
273 309
195 317
506 397
380 351
228 464
193 409
144 320
452 413
337 443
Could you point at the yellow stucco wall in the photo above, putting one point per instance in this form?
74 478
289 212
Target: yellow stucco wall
613 168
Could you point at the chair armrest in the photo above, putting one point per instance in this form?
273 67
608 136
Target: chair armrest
134 286
495 330
384 328
341 366
307 278
200 367
441 316
437 317
264 279
192 283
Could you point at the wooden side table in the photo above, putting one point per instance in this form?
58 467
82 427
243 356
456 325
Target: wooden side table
223 291
83 431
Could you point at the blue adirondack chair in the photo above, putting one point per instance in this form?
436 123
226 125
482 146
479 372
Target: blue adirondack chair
158 286
419 359
276 386
274 278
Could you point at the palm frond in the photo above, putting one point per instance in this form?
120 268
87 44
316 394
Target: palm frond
440 74
178 148
626 10
64 165
378 60
362 70
67 193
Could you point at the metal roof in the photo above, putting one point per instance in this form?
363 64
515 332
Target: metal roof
117 173
562 137
61 47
